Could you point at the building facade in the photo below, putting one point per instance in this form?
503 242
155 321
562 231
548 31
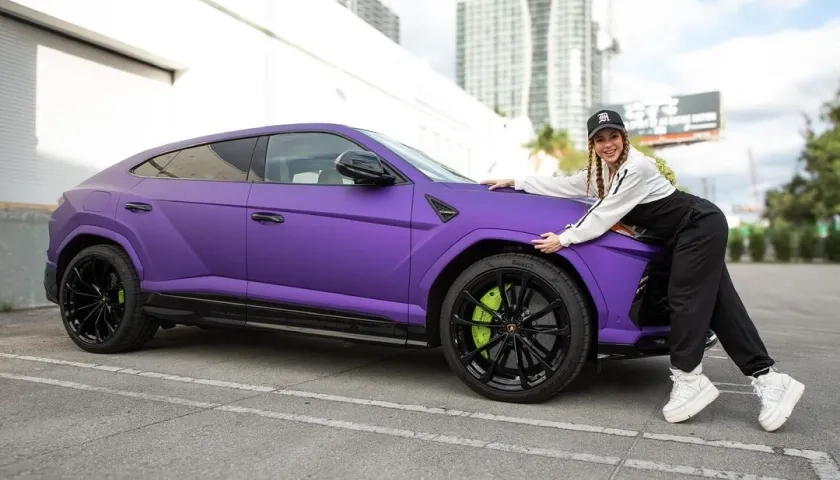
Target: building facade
376 14
531 57
84 85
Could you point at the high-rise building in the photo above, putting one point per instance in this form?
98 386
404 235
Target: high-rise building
377 14
536 58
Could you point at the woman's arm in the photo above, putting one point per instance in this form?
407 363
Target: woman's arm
571 186
630 188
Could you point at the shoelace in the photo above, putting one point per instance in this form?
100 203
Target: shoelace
764 392
679 386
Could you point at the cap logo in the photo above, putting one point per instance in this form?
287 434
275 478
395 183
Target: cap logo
603 117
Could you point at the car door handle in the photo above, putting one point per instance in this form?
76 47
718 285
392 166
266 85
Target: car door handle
267 217
138 207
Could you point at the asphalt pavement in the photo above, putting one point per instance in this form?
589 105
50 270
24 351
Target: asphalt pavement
211 404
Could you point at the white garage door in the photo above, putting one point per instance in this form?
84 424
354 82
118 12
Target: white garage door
68 109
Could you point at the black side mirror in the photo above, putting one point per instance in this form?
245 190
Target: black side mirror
365 168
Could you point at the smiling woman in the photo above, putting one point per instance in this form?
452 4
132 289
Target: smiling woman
630 188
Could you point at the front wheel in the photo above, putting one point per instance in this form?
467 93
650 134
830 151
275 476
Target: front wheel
515 328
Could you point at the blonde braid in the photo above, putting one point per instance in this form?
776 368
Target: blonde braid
589 165
599 177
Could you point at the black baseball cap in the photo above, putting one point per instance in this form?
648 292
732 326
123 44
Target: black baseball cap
604 119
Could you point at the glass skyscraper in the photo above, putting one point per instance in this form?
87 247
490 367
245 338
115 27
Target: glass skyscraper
537 58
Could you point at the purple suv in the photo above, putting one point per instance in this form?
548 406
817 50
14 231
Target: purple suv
325 229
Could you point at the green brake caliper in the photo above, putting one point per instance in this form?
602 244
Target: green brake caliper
121 296
493 301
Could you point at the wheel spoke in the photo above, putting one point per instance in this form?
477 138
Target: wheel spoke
520 298
484 307
500 284
468 358
93 313
523 378
77 309
457 320
106 318
531 349
75 292
492 368
87 285
548 309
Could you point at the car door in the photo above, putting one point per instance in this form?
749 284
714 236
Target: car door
186 220
325 255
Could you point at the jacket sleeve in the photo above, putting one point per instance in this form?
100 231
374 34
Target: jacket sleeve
571 186
630 188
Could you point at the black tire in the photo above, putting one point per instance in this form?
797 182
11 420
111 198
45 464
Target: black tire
567 354
95 320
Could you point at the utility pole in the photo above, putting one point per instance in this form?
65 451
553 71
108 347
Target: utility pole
753 177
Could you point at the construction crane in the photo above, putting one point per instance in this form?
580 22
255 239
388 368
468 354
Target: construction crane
609 52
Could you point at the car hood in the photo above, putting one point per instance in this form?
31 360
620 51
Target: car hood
512 210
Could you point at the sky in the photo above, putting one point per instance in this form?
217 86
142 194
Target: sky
772 61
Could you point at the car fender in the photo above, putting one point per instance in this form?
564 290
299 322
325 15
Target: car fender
481 234
110 235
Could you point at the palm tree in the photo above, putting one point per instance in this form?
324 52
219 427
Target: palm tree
555 143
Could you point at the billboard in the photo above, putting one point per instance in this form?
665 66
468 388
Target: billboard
674 120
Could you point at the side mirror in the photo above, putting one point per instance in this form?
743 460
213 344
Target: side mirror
365 168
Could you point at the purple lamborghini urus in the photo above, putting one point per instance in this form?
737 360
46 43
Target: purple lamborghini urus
325 229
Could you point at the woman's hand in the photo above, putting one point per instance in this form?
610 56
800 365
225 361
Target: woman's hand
550 243
494 184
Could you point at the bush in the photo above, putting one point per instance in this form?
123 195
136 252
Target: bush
666 171
782 240
807 248
832 246
736 245
757 246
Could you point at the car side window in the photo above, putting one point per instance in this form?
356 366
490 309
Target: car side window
306 158
220 161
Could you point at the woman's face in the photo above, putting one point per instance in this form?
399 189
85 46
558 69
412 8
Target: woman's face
609 144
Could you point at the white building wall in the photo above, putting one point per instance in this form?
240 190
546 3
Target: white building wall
246 63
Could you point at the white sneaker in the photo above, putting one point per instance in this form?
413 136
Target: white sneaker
692 392
779 393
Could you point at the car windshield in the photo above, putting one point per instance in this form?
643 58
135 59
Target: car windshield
430 167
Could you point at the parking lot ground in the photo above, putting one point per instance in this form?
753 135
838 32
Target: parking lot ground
212 404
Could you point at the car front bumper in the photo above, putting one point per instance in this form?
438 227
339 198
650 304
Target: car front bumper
51 283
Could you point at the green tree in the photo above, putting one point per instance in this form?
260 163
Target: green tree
813 194
557 144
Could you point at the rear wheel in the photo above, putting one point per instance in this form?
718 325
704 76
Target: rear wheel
515 328
99 301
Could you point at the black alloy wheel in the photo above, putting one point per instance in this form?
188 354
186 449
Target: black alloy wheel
94 300
516 331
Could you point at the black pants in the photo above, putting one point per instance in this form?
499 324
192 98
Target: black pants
701 295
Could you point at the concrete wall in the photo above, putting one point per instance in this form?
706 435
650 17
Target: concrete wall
23 243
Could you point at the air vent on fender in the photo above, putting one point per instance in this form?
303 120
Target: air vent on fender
444 212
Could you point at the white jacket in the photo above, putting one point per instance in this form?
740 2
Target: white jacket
637 181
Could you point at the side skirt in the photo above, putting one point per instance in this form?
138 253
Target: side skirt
646 347
233 312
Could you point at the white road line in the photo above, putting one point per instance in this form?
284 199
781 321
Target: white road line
823 464
395 432
716 357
